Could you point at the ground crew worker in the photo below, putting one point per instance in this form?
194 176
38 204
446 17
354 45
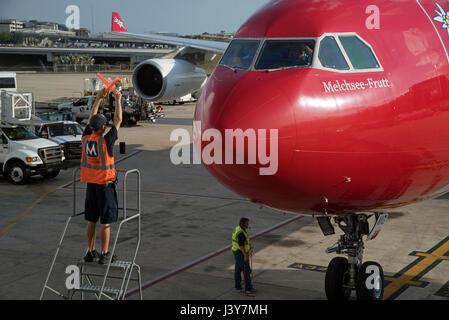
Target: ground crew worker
98 171
241 248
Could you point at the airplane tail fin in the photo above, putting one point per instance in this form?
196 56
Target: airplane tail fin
117 23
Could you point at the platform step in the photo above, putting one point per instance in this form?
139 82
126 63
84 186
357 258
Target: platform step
96 289
116 264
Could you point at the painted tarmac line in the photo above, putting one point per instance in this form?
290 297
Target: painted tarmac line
411 275
118 161
209 256
192 195
178 194
27 210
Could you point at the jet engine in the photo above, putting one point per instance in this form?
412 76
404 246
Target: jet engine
160 80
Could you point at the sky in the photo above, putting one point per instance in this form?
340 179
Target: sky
185 17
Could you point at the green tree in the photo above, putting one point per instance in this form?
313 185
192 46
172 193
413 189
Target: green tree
17 38
80 59
5 37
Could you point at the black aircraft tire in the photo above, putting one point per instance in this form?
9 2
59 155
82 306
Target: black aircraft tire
367 278
335 278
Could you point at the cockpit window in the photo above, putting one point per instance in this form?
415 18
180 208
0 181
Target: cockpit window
330 55
282 54
359 53
240 54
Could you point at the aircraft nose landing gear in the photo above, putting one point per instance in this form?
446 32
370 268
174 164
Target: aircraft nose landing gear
345 275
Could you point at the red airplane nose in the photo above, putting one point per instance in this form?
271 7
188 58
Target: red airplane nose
249 101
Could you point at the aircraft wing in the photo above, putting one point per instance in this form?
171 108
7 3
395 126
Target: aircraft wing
206 45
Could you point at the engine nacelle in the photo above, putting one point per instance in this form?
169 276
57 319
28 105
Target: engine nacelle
167 79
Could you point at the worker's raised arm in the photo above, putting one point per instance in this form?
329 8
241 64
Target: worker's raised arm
96 105
118 109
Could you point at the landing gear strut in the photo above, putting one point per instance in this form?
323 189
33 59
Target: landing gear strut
345 275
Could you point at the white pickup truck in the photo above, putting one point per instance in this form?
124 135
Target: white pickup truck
67 134
23 154
184 99
80 108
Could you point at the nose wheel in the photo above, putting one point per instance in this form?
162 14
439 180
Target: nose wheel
345 275
337 279
370 281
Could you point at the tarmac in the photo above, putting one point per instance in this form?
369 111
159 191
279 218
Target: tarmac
187 221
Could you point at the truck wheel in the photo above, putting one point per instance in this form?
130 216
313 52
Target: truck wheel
18 173
51 175
125 121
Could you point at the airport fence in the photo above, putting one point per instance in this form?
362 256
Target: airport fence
70 68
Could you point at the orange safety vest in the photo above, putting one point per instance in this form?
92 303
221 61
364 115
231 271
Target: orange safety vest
97 166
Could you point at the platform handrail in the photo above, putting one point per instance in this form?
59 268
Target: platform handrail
138 216
74 189
58 247
137 172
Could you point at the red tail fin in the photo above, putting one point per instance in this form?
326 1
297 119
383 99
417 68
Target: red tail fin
117 23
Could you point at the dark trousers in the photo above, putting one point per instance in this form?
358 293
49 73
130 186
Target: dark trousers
241 266
101 203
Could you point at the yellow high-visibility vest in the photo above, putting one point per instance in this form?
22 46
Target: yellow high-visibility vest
235 241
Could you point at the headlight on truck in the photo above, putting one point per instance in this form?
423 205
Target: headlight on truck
32 159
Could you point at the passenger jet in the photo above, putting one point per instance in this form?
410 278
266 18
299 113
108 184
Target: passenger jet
358 92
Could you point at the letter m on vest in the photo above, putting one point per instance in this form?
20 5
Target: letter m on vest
92 148
97 166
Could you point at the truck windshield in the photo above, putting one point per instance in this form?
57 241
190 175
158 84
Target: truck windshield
19 133
65 129
7 83
81 102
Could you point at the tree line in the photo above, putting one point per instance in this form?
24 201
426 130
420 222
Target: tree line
11 38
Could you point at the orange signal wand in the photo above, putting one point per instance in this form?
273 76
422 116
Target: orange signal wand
109 86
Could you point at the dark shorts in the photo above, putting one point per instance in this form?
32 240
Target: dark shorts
101 202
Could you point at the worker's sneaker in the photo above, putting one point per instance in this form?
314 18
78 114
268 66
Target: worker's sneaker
239 290
104 258
252 290
91 256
